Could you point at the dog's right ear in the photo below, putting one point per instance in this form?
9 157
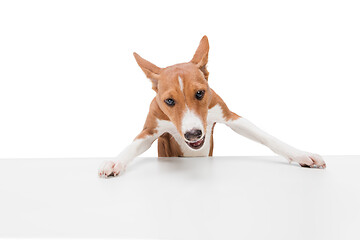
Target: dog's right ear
151 71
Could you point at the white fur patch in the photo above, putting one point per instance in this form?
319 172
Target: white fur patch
190 121
181 83
245 128
215 114
137 147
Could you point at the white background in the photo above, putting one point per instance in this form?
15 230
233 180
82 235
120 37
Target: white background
69 86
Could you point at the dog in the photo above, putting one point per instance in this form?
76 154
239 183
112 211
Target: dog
183 114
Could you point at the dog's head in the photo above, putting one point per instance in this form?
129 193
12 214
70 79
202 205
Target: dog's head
183 93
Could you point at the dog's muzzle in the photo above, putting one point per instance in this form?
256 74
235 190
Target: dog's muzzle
194 138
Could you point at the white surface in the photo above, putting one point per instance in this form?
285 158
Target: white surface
181 198
70 86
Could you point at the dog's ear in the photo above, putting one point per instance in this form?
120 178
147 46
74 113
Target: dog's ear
200 58
151 71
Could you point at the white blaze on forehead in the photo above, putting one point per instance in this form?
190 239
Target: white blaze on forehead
190 121
181 83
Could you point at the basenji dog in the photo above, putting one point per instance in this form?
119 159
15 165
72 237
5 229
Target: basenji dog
183 115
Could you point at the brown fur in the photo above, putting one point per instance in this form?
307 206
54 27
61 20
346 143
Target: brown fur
212 141
168 147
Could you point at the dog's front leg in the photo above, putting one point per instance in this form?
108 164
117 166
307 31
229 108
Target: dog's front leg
141 143
245 128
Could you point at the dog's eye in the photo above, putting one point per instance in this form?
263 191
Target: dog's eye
170 101
199 94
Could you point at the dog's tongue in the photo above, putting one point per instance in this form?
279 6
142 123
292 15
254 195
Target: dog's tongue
196 143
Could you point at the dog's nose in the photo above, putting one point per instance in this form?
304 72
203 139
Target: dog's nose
193 134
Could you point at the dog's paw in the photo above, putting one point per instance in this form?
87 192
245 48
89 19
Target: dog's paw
111 169
309 160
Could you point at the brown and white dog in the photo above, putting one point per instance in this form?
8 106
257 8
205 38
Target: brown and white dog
183 114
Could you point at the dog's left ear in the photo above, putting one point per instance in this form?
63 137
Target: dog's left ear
200 58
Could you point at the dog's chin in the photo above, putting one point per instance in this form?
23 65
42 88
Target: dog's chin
196 145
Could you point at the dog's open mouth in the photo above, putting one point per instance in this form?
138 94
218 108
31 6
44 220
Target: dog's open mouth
198 144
